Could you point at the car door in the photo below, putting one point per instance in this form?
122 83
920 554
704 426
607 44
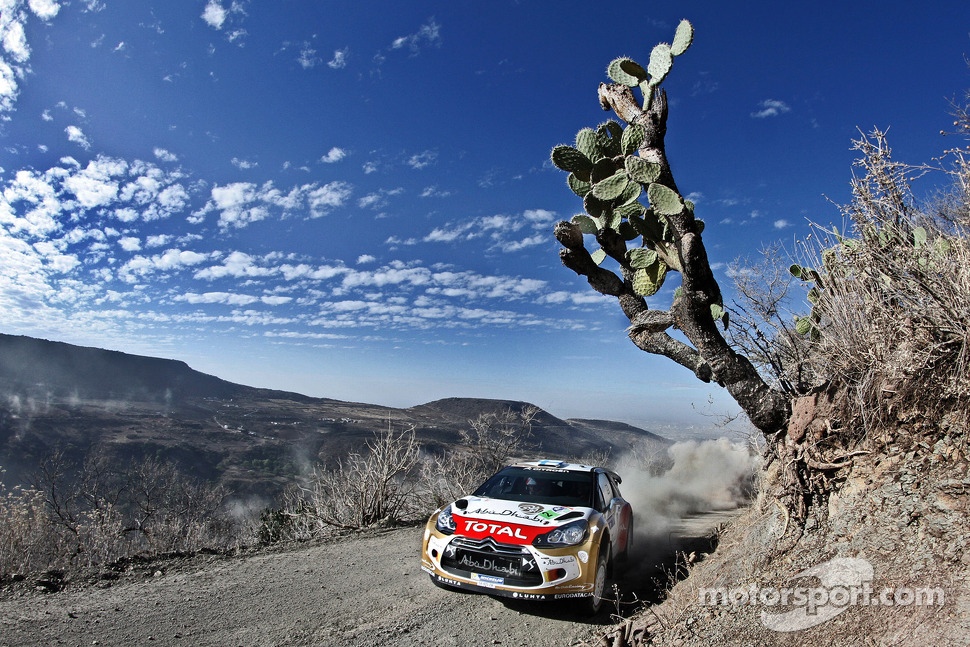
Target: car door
616 511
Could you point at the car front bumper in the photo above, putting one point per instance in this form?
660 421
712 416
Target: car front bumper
515 571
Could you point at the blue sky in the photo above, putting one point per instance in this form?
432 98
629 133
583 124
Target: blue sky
354 199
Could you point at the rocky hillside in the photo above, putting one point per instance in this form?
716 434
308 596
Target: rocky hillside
59 396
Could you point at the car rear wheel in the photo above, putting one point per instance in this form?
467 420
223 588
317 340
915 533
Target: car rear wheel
591 606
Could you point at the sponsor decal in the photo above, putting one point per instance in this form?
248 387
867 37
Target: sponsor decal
530 508
528 596
558 561
583 556
517 514
491 565
549 514
488 581
447 580
509 533
563 596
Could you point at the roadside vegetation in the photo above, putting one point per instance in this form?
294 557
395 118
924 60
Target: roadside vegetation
95 512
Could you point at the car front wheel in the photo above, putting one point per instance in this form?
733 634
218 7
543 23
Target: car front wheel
591 606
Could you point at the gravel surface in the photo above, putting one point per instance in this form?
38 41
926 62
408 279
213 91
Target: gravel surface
366 590
357 590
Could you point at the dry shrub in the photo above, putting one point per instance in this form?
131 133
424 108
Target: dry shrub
891 298
489 443
96 513
363 489
394 480
26 539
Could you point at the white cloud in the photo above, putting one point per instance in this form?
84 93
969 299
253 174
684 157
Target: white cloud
771 108
243 165
163 155
422 160
214 14
158 240
517 245
44 9
365 258
434 192
782 224
428 34
339 60
334 155
92 190
171 260
308 57
75 135
236 265
499 228
334 194
129 244
378 199
15 42
539 217
232 299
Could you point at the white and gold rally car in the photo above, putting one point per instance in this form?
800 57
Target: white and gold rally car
541 530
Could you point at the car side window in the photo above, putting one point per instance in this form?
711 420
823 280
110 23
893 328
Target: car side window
616 488
604 492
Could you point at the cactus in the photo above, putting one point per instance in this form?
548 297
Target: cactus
611 187
661 60
586 224
647 281
586 143
632 138
641 170
605 171
579 187
720 314
664 200
571 159
626 72
683 37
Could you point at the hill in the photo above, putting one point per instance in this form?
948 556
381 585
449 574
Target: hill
57 396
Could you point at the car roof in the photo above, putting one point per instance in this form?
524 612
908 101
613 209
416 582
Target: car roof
563 466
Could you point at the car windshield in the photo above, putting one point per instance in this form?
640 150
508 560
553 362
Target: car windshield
540 486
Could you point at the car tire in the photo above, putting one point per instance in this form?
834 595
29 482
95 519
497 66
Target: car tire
591 606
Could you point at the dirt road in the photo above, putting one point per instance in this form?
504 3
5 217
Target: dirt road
358 591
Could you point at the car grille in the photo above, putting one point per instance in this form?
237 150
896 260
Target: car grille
514 564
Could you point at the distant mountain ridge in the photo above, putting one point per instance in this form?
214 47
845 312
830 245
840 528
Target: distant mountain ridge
55 395
63 369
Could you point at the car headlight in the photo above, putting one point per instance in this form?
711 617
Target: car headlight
568 535
445 523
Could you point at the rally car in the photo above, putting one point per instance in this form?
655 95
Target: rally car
540 530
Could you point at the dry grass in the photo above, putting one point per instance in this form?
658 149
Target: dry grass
892 297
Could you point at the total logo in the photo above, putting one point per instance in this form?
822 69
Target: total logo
495 529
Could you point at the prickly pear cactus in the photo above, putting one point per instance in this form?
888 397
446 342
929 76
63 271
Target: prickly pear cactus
606 171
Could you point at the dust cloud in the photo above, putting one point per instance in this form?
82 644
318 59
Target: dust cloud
679 497
692 478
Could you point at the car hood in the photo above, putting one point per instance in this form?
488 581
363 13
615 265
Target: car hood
511 521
